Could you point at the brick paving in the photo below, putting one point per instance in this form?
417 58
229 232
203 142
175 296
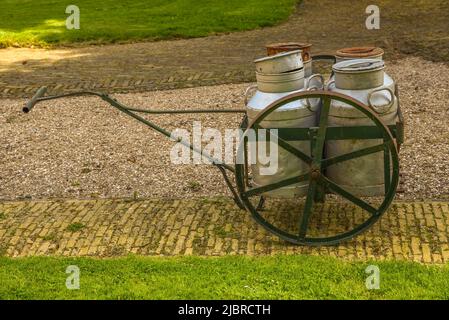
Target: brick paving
412 231
225 58
408 231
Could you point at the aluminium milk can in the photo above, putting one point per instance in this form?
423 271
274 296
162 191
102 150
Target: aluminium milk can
296 114
362 53
364 80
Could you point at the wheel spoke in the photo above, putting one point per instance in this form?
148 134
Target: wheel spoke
349 196
287 146
276 185
304 223
352 155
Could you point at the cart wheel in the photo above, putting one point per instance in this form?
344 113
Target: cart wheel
316 179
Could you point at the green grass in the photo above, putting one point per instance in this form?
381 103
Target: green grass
194 185
74 227
42 23
231 277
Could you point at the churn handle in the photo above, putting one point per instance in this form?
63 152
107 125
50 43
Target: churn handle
385 108
332 82
306 86
248 92
307 82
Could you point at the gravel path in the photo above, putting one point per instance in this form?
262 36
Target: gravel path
81 148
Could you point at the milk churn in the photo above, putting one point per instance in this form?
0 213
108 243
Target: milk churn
364 80
362 53
276 48
297 114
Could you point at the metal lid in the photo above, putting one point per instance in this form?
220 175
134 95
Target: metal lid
360 52
277 56
358 65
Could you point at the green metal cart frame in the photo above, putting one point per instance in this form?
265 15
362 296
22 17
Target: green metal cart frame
318 183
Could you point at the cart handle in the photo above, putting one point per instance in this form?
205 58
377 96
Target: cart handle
30 105
38 97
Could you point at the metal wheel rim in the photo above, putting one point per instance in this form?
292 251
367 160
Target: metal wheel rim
328 240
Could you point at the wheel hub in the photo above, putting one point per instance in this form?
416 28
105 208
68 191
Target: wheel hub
315 173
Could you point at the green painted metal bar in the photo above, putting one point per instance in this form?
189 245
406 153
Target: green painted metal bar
357 132
288 147
121 107
320 192
124 109
245 150
235 195
386 167
400 124
349 196
294 134
71 94
243 127
187 111
352 155
398 133
317 153
321 133
304 222
184 111
338 133
276 185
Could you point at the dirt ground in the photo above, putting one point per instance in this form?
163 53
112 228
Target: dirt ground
415 27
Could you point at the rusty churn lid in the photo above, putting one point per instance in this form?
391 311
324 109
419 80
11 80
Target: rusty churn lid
360 53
